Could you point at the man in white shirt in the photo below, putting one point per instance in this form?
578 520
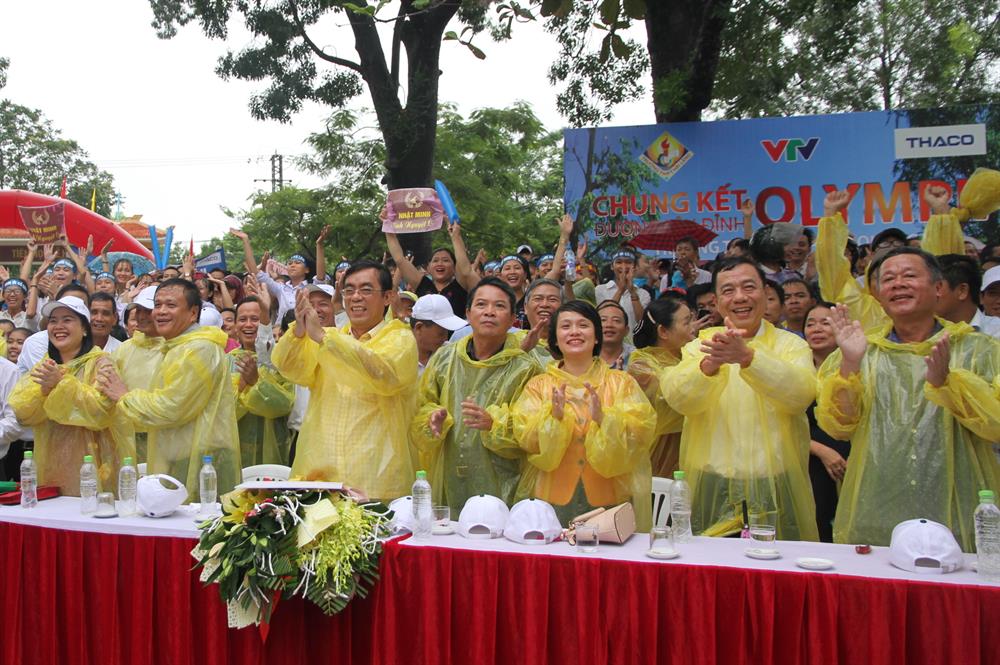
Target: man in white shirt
10 429
959 299
622 289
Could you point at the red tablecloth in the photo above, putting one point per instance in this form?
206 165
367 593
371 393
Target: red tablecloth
72 597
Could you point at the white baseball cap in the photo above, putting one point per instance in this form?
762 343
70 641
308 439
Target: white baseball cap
923 546
532 522
156 498
320 288
210 317
69 302
437 309
483 516
145 299
975 242
402 515
990 277
521 248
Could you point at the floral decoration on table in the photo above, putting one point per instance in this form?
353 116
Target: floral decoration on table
319 544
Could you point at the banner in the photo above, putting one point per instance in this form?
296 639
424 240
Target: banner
617 179
212 261
45 223
412 210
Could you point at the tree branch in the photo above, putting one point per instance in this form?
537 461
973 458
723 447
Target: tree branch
320 53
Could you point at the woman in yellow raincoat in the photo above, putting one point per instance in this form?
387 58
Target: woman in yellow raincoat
138 358
585 427
666 327
263 397
71 418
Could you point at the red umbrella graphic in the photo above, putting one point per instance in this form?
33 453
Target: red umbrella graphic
664 235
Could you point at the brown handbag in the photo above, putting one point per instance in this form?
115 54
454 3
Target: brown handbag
614 525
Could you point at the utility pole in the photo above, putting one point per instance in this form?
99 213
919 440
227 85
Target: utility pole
277 179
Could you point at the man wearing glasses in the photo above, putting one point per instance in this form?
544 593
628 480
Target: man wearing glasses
362 380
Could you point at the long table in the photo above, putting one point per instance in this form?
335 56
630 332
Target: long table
83 590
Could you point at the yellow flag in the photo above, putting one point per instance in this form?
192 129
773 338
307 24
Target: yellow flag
93 199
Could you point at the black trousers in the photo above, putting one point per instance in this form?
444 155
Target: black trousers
10 465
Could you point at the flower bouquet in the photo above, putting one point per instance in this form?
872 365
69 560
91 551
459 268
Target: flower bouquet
319 544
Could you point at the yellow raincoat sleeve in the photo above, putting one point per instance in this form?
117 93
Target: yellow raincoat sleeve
836 283
297 358
385 366
647 375
943 235
543 437
974 402
270 397
686 388
428 401
183 395
787 380
28 402
840 400
626 431
74 402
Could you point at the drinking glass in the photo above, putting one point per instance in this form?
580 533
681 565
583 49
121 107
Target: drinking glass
106 505
661 540
441 520
586 538
763 527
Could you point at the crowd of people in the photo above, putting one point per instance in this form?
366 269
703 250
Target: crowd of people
842 388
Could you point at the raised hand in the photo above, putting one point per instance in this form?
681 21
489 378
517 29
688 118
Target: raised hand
239 234
937 198
937 362
107 246
850 337
530 340
596 411
559 402
436 421
835 202
247 367
322 234
747 208
47 375
475 416
565 226
4 274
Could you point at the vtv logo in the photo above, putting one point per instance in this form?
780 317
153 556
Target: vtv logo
790 149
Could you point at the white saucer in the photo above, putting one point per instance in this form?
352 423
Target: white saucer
662 554
762 553
813 563
442 530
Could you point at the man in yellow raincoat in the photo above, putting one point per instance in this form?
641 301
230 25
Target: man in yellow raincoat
744 389
362 380
138 359
190 409
263 397
919 398
464 403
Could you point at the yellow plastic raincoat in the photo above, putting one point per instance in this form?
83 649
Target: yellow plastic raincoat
73 420
646 366
362 400
942 235
746 436
189 410
580 464
916 451
262 415
465 461
138 360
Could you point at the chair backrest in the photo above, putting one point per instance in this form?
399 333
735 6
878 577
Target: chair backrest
661 500
141 469
266 472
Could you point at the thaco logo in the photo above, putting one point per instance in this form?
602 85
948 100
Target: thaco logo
790 150
666 155
942 141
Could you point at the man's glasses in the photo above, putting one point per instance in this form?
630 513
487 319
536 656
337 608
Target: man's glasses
364 291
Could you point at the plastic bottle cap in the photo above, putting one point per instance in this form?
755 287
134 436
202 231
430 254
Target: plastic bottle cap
986 496
88 459
28 454
678 475
421 475
207 459
128 461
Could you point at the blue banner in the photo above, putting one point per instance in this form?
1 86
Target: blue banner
618 179
212 261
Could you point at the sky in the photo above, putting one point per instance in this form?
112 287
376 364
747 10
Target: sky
180 141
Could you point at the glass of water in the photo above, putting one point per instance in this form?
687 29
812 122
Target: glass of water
441 524
661 540
763 527
586 538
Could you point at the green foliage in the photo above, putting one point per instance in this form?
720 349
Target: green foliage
34 156
4 64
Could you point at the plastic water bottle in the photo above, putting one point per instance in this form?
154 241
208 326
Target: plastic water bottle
88 486
207 487
422 510
127 478
29 481
987 519
570 264
680 508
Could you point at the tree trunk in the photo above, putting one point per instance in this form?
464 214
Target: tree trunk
684 40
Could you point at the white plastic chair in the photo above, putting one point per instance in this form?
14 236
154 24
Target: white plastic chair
661 500
141 469
266 471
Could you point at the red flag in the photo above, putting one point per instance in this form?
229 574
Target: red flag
191 247
62 190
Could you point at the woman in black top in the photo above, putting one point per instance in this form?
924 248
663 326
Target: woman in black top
448 273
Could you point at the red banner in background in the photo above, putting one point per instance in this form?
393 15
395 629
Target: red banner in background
46 224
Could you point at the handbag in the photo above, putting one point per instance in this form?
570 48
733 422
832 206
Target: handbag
614 525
